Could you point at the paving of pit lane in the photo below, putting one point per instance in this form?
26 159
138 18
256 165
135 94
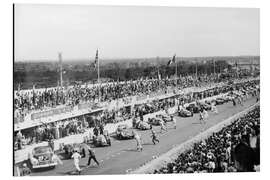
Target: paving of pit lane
123 157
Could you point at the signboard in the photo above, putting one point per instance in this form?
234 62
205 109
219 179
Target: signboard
52 112
140 98
160 93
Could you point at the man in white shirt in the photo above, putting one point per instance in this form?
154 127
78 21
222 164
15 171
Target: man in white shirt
174 121
76 156
138 140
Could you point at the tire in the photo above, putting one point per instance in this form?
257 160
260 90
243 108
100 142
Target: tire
83 153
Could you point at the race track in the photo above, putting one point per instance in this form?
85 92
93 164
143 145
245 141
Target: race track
122 156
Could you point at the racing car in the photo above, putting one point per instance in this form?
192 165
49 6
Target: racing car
205 106
123 132
70 148
165 117
219 101
102 140
43 157
142 125
184 113
194 108
156 121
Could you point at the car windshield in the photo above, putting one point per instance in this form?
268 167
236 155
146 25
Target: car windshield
42 150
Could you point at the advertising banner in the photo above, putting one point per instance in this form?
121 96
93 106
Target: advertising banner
52 112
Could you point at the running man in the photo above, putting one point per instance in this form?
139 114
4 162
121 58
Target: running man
162 126
76 156
154 137
173 121
201 117
92 156
138 140
214 108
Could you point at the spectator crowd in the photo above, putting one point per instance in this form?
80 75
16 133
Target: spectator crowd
28 101
235 148
80 124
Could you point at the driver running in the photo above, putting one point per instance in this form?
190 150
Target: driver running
154 137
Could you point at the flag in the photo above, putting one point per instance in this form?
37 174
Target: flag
96 60
236 65
19 87
34 95
171 60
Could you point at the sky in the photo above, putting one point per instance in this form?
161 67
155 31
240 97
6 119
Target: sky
41 31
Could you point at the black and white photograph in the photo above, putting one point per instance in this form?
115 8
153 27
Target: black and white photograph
125 90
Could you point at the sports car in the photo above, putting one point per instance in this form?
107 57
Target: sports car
205 106
70 148
123 132
194 108
156 121
219 101
185 113
42 157
165 117
142 125
102 140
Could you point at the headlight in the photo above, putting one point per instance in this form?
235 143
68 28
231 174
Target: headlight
34 161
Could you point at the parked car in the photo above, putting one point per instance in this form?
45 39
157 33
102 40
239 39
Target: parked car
123 132
185 113
165 117
70 148
205 106
219 101
138 124
42 157
194 108
102 140
155 121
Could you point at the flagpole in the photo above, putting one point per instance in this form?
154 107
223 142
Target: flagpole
159 78
98 81
196 71
176 71
60 62
236 65
214 67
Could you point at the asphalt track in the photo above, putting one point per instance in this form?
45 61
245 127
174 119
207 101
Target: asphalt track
122 156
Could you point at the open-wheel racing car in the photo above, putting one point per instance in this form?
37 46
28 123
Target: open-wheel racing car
123 132
42 157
